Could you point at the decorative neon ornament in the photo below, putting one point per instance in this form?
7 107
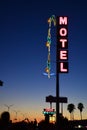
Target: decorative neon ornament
48 45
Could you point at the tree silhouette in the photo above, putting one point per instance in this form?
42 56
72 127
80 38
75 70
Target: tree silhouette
71 108
80 107
1 83
5 120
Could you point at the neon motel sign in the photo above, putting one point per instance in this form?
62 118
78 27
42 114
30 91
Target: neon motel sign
62 37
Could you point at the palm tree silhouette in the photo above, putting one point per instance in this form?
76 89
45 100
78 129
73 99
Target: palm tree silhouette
71 108
80 107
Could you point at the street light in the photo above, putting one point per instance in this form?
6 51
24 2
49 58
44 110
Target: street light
8 106
16 112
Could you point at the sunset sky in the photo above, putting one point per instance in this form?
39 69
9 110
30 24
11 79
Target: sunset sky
23 55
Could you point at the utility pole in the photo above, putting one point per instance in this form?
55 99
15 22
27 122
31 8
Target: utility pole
8 106
16 112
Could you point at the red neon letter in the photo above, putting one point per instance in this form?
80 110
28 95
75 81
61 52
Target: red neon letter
63 55
63 20
63 42
63 31
62 69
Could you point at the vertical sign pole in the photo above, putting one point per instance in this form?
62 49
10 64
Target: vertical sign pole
61 58
57 80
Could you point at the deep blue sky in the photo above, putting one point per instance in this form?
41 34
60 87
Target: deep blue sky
23 54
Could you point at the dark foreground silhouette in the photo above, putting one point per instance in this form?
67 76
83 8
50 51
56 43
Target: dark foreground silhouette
6 124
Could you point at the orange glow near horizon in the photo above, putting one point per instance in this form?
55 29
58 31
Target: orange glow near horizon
39 116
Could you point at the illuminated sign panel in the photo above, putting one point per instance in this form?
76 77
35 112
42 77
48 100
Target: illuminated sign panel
49 111
62 37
